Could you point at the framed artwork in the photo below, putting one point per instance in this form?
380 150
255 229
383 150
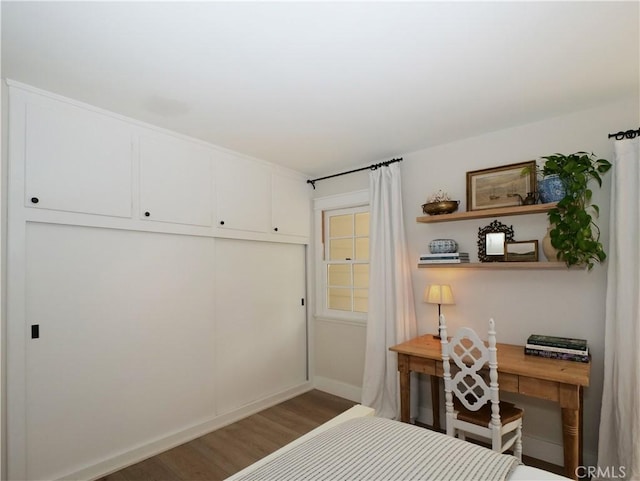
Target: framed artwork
503 186
521 251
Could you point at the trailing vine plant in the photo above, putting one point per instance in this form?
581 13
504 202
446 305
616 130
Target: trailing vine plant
574 233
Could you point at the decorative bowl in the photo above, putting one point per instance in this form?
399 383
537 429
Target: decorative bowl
442 207
443 246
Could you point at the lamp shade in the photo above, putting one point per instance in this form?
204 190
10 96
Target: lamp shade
438 294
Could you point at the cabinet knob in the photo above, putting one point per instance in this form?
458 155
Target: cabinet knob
34 200
147 214
275 229
221 222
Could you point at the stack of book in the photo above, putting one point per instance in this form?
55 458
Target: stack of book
557 348
448 258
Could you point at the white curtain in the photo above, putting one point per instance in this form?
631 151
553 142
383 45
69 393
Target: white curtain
619 442
391 318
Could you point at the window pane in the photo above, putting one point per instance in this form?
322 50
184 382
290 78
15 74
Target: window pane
362 248
339 299
341 225
339 274
362 224
361 275
340 249
360 300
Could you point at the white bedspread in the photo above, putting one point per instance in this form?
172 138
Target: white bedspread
379 449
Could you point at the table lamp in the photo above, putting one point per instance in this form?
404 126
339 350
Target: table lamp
438 294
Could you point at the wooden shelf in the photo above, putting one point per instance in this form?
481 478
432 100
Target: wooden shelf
501 265
481 214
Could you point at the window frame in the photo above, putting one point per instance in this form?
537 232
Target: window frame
347 202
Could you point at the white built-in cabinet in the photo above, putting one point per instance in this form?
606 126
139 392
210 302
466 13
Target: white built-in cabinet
175 181
290 205
243 194
81 160
135 319
76 160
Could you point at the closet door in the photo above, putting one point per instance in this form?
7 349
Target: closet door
124 350
261 321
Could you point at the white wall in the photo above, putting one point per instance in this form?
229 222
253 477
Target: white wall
563 303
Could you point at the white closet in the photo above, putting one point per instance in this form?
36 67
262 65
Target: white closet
135 320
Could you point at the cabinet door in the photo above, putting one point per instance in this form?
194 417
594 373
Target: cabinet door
243 194
291 205
261 330
175 181
76 160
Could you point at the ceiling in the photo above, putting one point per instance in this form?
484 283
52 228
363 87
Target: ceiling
321 87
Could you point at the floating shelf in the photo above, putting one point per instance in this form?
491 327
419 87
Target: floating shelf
481 214
501 265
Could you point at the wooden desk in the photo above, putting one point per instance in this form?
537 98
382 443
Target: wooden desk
551 379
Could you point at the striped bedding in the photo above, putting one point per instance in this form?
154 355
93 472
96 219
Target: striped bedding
371 448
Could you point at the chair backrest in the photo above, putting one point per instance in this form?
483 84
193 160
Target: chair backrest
470 355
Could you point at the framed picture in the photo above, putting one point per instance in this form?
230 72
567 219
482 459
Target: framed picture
503 186
521 251
492 240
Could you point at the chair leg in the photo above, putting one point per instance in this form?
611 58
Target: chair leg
496 440
517 452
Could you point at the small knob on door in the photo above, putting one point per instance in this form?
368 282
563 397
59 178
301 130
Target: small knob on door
34 200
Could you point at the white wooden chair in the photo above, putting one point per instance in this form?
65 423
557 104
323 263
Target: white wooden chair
472 406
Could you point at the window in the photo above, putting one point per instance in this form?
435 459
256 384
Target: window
346 260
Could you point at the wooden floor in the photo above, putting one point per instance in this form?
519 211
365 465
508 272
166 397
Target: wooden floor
220 454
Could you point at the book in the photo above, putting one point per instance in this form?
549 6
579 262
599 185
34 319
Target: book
556 355
444 254
581 352
554 341
442 261
452 257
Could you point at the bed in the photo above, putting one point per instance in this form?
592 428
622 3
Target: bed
356 445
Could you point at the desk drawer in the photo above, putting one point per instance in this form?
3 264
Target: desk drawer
424 366
539 388
508 382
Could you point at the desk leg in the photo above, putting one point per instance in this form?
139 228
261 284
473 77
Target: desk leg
571 403
435 402
405 388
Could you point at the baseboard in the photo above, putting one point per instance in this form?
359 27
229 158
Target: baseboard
140 453
337 388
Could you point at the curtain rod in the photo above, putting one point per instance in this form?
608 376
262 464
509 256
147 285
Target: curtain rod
629 134
371 167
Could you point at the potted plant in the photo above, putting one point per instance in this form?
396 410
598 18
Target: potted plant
573 233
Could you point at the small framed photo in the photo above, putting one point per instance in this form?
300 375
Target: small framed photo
521 251
503 186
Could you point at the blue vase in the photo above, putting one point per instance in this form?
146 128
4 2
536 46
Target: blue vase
551 189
